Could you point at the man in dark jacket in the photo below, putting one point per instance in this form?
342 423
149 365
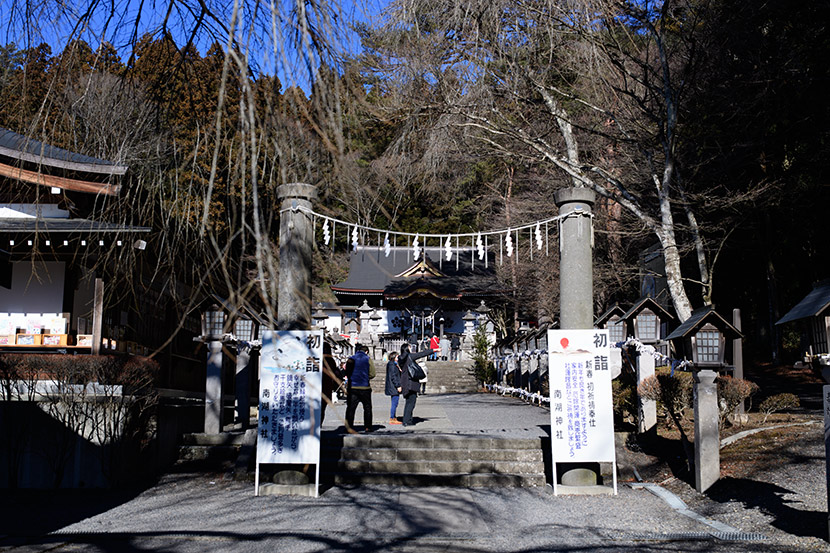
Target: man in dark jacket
360 370
455 347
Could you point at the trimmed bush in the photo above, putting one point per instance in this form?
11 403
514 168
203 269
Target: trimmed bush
778 402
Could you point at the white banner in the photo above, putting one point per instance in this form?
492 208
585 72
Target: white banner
581 409
290 393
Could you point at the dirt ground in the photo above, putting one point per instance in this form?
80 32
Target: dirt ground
773 481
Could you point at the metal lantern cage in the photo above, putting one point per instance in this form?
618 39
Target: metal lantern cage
213 323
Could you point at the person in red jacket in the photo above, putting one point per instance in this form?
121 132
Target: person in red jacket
435 346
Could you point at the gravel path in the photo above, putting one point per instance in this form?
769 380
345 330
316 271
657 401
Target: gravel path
778 492
779 489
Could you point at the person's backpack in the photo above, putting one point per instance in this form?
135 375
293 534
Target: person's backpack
416 371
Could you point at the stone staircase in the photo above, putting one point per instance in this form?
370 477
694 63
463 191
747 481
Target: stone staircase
432 460
444 377
228 451
393 459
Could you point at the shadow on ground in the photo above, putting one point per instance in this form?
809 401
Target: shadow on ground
771 499
26 514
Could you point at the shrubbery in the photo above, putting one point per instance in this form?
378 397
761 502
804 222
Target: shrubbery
731 393
778 402
485 371
106 400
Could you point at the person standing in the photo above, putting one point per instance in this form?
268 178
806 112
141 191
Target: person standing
332 378
393 386
435 346
445 348
455 347
360 370
409 387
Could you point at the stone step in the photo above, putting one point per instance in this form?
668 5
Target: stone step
194 458
224 438
433 460
440 467
429 441
407 454
402 459
450 480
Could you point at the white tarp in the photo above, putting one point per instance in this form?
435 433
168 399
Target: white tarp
290 395
581 410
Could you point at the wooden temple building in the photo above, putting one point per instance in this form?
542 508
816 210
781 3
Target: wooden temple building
51 286
391 296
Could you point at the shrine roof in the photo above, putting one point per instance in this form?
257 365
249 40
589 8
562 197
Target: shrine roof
27 225
813 304
20 147
700 317
398 275
647 302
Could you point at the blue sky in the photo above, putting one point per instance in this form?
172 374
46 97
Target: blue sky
28 24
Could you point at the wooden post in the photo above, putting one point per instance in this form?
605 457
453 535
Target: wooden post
97 315
738 360
296 226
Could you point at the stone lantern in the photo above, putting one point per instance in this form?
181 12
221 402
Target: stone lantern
813 315
213 331
702 338
613 321
469 324
320 317
363 312
244 332
647 322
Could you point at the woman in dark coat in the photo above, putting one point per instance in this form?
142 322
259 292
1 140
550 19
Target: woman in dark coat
409 387
393 386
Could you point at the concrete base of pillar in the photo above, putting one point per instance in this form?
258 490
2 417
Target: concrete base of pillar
579 477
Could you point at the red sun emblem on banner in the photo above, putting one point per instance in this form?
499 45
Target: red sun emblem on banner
564 342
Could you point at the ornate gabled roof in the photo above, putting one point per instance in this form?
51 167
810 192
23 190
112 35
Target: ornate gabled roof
700 317
399 276
650 303
605 317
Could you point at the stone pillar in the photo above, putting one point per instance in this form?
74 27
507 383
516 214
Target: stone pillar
738 361
97 315
826 393
576 288
647 408
576 282
243 385
213 388
294 302
707 433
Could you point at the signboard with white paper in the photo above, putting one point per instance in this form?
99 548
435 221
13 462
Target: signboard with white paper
581 410
290 394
